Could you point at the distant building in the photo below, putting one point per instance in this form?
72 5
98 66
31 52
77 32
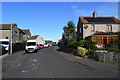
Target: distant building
97 28
49 42
27 34
38 39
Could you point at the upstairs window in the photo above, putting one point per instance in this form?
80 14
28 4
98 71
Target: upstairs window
92 28
80 30
109 28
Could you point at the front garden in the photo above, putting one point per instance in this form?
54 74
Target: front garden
87 48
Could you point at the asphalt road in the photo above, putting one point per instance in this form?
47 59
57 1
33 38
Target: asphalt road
49 63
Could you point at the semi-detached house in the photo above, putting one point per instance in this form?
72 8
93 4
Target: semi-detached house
98 28
18 35
5 29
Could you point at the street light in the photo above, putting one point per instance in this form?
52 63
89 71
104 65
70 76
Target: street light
11 40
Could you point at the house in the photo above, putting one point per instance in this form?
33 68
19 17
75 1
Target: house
98 28
21 35
5 29
50 42
38 39
27 34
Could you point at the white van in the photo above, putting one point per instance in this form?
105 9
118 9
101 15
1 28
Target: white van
31 46
5 43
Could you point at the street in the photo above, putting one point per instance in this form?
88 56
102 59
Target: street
49 63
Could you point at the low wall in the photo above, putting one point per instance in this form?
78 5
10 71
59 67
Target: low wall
108 57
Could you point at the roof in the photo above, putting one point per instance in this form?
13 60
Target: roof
21 31
6 26
102 34
26 30
99 20
49 41
34 37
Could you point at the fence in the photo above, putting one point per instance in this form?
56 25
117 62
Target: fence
18 47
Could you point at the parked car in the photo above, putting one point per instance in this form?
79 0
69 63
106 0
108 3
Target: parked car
5 43
2 50
46 45
40 46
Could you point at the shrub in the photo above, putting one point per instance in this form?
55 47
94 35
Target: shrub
113 49
54 44
74 44
71 44
82 52
89 44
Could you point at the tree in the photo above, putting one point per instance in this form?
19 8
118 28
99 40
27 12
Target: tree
69 32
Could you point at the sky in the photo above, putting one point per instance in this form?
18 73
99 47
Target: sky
47 19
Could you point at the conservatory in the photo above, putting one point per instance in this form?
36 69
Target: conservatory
101 38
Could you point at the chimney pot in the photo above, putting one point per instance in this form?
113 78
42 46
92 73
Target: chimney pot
94 14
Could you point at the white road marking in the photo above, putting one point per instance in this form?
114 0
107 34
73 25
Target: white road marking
35 60
34 68
23 71
19 64
32 60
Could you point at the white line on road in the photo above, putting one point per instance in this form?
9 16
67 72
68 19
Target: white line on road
23 71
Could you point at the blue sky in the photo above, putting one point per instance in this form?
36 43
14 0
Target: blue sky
47 19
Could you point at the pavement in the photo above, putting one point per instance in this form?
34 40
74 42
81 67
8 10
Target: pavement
51 63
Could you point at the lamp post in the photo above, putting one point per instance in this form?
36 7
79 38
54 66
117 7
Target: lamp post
11 40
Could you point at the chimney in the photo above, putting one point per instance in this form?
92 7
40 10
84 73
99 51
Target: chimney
94 14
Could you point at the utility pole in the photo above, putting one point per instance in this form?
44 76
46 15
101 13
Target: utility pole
11 40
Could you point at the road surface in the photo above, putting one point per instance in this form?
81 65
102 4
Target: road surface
49 63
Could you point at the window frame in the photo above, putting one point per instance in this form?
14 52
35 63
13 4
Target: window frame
92 28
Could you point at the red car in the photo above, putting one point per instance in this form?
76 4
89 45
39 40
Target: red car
40 46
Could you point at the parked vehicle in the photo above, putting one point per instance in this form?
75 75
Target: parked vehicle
31 46
5 43
46 45
2 50
40 46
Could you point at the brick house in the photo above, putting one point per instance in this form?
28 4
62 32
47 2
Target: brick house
97 28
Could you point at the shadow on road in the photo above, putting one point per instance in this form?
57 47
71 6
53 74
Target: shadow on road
66 50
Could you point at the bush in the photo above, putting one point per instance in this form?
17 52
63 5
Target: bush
71 44
89 44
54 44
74 44
113 49
82 52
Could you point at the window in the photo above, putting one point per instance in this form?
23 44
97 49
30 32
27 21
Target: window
93 28
109 28
80 30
